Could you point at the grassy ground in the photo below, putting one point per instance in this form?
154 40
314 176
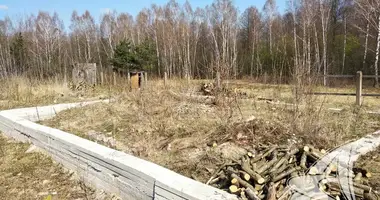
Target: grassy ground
34 175
21 92
178 131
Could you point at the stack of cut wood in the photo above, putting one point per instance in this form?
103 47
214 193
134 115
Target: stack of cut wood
267 174
207 89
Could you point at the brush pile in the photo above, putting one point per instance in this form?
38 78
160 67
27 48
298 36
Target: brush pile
209 89
269 175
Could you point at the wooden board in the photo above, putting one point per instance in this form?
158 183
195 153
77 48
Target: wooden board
135 82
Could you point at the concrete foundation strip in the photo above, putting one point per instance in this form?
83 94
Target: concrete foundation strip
104 168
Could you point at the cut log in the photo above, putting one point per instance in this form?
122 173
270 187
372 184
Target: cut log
242 182
313 170
283 160
234 181
255 176
370 196
358 177
303 160
272 192
281 169
251 194
218 170
258 187
234 189
284 193
285 174
244 175
215 180
267 153
335 186
267 165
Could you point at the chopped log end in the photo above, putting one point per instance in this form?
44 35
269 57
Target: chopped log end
234 189
323 151
214 144
358 176
322 187
234 181
368 175
324 181
258 188
333 167
306 149
313 171
246 177
250 154
260 181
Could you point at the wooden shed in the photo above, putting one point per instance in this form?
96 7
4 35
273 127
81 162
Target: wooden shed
137 77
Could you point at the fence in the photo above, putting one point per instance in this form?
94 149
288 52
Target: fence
359 87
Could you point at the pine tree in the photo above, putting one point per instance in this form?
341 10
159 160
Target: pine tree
125 57
18 50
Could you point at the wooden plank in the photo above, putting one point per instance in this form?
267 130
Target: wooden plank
135 82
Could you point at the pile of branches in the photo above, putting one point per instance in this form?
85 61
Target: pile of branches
267 176
81 86
209 89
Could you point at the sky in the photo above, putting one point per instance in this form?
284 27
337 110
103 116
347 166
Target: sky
64 8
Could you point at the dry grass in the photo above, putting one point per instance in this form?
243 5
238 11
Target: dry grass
21 92
371 162
176 131
34 176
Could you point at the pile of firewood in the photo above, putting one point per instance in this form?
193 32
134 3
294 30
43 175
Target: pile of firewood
209 89
267 174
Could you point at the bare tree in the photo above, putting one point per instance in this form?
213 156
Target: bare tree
370 10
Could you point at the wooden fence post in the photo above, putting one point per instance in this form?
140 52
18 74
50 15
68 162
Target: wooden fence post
142 82
65 76
165 78
218 80
114 78
146 78
128 77
359 88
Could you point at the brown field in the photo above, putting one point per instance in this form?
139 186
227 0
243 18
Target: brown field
175 127
26 174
